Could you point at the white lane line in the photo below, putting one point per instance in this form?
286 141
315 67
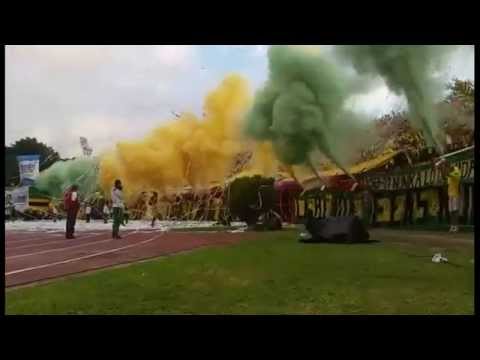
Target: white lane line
65 248
151 231
11 242
60 241
81 257
15 241
48 243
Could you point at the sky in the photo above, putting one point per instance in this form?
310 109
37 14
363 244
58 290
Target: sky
113 93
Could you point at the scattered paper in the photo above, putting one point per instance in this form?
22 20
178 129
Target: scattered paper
98 225
438 258
305 236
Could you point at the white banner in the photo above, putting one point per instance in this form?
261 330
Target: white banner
18 197
29 168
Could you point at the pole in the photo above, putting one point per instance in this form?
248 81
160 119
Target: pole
457 152
310 164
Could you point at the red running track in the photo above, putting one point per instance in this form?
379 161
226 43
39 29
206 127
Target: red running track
38 256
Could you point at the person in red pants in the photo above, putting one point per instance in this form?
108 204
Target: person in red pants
72 204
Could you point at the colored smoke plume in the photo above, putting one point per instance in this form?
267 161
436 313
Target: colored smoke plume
300 110
57 178
408 70
186 151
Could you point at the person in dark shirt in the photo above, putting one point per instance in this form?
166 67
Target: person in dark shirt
72 204
118 206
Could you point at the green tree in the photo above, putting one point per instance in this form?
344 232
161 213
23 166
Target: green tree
462 93
27 146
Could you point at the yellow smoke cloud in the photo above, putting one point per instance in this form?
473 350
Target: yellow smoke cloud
264 161
186 151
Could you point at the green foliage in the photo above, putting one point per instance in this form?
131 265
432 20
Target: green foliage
244 197
462 92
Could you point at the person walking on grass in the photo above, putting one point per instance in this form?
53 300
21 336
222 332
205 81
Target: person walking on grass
72 204
117 206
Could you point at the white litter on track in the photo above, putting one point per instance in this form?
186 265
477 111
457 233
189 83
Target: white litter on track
49 226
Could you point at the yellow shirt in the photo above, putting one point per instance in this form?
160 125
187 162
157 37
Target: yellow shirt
454 182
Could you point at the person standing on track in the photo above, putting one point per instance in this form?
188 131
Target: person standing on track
53 211
72 204
153 206
9 207
106 212
118 206
126 216
88 211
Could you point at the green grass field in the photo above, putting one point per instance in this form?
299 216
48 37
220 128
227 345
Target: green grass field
273 274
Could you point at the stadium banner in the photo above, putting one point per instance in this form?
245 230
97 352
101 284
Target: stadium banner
29 168
417 178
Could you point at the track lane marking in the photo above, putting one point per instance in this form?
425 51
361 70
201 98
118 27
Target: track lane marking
44 237
66 248
49 243
81 257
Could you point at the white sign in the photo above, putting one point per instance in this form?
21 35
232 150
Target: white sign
18 197
29 168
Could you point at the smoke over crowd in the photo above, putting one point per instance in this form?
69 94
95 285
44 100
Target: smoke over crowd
299 115
186 151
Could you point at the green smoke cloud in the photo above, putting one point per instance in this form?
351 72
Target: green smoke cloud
82 171
408 70
300 108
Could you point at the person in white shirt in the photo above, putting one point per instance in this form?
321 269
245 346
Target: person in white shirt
55 213
118 206
106 212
